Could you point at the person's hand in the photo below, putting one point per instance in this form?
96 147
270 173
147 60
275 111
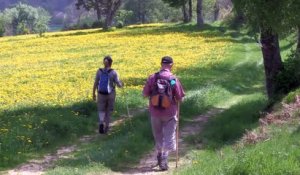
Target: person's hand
94 97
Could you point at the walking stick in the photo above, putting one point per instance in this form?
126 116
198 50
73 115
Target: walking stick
177 132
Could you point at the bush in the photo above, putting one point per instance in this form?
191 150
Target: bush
24 19
2 25
22 29
97 24
291 97
41 24
84 25
120 24
122 17
289 78
234 21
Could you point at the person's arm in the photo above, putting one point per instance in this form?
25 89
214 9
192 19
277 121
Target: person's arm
97 78
179 92
147 88
117 80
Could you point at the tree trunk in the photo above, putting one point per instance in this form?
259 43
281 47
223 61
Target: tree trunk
98 11
298 44
272 59
200 21
99 15
185 14
108 21
112 8
216 11
139 11
190 10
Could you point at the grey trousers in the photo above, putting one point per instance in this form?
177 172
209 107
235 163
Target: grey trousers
105 105
164 132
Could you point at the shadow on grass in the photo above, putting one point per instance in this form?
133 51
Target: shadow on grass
120 149
242 79
32 129
230 125
208 31
78 33
288 46
191 30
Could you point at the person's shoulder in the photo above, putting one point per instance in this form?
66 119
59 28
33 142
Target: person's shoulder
153 75
98 70
172 76
113 71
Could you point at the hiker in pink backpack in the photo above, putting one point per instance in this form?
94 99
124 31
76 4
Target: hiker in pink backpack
105 82
164 91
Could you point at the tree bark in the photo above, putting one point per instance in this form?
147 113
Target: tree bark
200 21
190 10
298 41
98 11
108 21
139 11
112 7
216 11
272 59
185 14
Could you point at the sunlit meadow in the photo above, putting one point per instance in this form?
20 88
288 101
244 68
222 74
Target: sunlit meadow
59 69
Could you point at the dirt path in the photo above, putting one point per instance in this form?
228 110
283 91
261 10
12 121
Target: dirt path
38 167
147 164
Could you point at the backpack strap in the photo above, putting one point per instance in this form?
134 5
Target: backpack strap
172 77
157 76
109 70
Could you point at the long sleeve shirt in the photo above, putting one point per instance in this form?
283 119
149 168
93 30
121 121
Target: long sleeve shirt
178 95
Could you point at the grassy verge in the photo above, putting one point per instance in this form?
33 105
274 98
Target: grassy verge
222 153
279 154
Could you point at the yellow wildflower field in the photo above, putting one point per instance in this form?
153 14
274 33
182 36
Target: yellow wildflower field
59 68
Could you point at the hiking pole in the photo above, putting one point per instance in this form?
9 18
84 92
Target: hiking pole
128 114
126 102
177 132
129 117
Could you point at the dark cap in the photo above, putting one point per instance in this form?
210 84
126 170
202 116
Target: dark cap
167 60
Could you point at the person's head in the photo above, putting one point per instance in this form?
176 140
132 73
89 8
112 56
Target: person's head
167 62
107 61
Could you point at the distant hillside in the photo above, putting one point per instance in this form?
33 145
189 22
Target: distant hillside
57 8
51 5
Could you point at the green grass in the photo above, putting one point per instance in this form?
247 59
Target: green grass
46 128
221 154
279 155
120 149
229 85
290 98
236 85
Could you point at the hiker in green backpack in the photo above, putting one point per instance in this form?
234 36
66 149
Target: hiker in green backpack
165 92
105 82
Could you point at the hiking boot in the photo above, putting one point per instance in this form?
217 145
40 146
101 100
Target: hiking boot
101 128
158 158
164 163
